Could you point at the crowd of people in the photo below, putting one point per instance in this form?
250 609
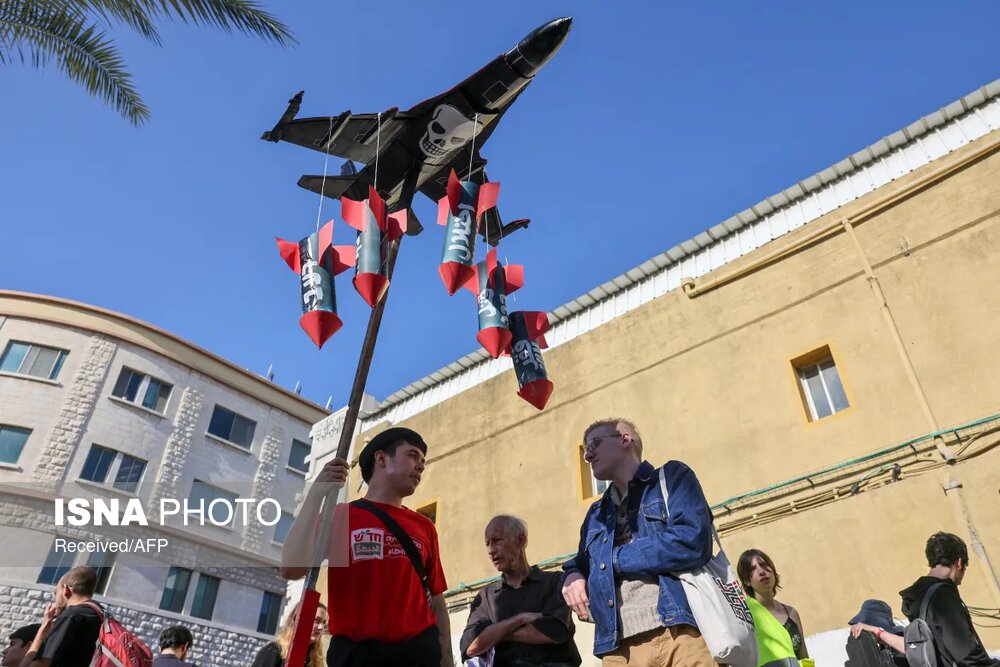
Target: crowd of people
386 605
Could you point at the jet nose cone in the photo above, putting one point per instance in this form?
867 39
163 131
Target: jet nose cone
532 52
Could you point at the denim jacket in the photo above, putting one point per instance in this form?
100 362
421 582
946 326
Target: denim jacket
663 542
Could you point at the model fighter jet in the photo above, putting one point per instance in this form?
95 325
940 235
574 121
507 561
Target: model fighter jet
419 147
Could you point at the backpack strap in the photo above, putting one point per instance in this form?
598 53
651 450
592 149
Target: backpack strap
927 598
666 504
402 537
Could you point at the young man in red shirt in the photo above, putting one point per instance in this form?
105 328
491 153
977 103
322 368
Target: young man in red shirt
381 613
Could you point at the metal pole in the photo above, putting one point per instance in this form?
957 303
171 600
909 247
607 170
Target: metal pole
310 596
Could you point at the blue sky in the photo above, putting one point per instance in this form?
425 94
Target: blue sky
654 122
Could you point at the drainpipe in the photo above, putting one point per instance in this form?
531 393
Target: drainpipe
953 489
904 356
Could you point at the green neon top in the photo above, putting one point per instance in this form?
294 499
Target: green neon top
773 641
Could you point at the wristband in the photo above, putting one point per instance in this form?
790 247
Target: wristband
878 634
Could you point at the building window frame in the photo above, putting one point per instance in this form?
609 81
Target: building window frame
10 449
175 594
282 527
295 455
226 424
270 613
211 493
820 384
103 463
21 358
58 563
142 390
589 486
206 594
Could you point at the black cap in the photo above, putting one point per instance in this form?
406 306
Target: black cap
26 634
382 441
879 614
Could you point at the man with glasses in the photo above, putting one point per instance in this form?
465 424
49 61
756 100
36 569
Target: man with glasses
631 541
955 639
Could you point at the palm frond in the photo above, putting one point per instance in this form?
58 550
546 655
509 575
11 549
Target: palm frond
42 33
132 14
244 16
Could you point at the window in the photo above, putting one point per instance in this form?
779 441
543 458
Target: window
230 426
132 385
12 441
30 359
102 562
281 528
204 597
202 495
297 457
430 510
100 461
57 563
270 610
175 590
589 486
819 384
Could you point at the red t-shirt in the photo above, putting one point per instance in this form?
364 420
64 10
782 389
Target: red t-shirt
379 595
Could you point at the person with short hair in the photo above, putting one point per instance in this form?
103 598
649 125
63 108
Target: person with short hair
68 634
275 653
632 542
381 612
780 637
522 617
175 644
955 639
17 645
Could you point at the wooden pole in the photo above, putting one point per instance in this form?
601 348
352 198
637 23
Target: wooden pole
310 596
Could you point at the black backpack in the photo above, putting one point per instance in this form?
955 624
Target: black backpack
920 649
865 651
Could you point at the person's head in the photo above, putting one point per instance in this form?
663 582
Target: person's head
394 459
176 640
608 443
76 586
18 644
757 573
506 542
284 637
948 554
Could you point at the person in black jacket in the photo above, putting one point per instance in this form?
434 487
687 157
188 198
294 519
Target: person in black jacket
955 639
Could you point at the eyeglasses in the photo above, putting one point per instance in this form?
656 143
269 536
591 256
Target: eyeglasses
595 442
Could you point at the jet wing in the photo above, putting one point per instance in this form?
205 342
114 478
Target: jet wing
493 228
350 136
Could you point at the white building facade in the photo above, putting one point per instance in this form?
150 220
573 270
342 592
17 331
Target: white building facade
94 404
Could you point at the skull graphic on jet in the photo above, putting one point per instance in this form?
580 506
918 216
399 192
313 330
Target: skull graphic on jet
448 130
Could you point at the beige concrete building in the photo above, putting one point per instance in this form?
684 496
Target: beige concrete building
98 405
825 361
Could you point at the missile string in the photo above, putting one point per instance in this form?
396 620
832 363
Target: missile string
322 185
378 147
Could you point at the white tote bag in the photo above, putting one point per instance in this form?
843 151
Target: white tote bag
719 605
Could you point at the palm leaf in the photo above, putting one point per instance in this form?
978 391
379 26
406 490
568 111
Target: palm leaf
42 33
245 16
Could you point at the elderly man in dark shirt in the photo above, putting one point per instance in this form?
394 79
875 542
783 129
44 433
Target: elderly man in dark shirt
523 616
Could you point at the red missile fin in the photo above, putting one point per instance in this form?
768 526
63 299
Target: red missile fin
353 213
443 211
455 275
371 287
472 284
536 322
290 253
320 325
537 393
377 205
454 192
514 275
488 194
344 257
494 340
325 238
396 224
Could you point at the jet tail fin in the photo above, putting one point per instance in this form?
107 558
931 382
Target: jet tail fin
332 186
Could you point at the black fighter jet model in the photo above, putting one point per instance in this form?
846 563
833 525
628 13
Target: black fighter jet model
419 147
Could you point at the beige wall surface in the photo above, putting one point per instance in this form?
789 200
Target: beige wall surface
709 380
